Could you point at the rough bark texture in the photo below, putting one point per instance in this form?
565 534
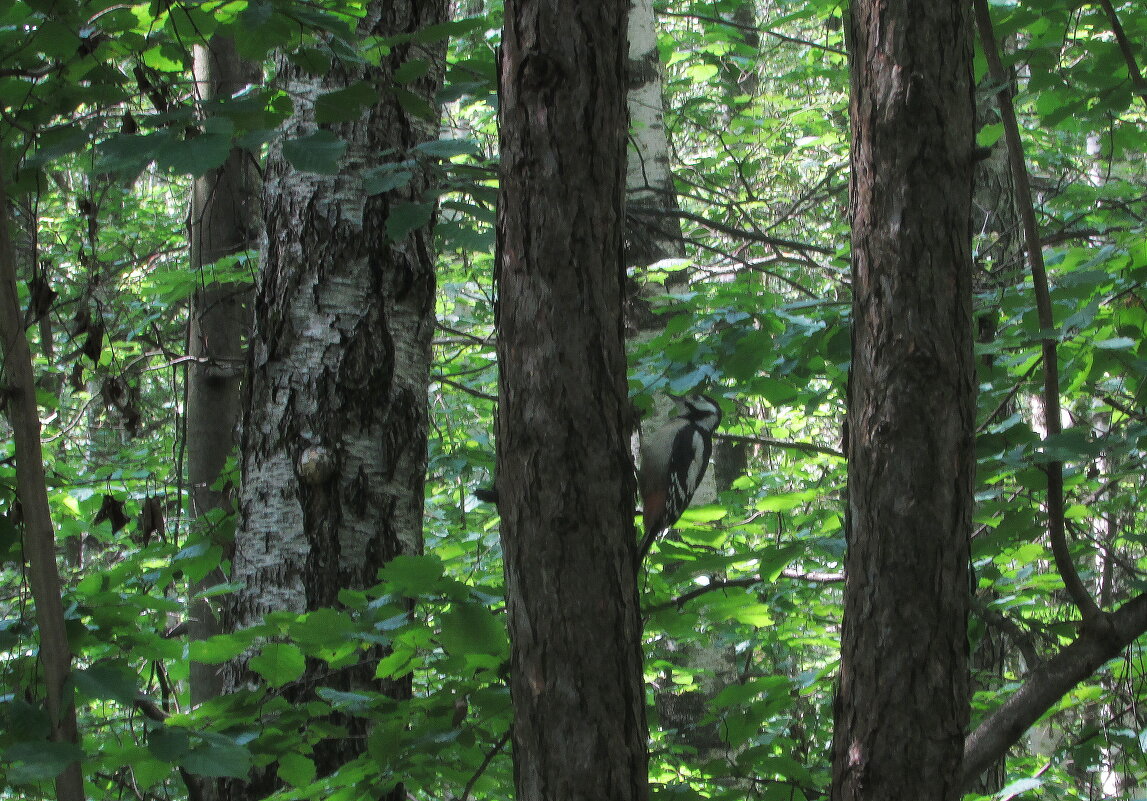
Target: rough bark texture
224 221
565 478
334 439
902 705
19 398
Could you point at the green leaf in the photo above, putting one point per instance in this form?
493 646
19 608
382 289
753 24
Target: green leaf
195 156
127 155
322 628
411 575
279 663
377 180
787 501
319 152
168 743
108 681
25 721
345 105
397 663
296 769
218 649
751 353
448 148
775 560
989 134
405 217
218 759
470 628
414 105
35 762
738 605
411 70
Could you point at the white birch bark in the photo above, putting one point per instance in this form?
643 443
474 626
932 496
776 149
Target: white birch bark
335 431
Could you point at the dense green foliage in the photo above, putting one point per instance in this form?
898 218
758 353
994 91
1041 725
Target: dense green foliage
100 135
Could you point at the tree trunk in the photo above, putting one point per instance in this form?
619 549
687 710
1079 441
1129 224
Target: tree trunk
19 398
224 221
335 432
903 700
565 478
653 231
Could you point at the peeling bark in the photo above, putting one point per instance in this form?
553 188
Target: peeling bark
334 439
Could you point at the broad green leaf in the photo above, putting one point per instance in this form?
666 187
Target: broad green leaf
469 628
322 628
35 762
377 180
217 649
319 152
168 743
218 760
405 217
786 502
412 575
279 663
448 148
296 769
345 105
25 721
195 156
411 70
107 681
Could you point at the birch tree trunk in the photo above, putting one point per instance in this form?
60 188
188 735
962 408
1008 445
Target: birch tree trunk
903 701
565 478
334 437
653 231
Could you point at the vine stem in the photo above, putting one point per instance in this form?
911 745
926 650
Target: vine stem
1054 468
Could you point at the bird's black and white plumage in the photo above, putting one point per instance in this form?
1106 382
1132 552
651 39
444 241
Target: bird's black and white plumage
673 461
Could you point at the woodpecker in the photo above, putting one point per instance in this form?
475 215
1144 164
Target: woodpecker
673 462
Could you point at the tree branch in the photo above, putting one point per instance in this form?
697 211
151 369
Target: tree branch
1055 508
1137 81
1049 682
722 228
809 447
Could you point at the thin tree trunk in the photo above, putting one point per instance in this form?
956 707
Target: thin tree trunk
335 433
224 221
39 532
903 700
565 478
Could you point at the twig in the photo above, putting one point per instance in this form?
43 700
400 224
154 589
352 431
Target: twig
498 746
463 388
749 235
749 28
738 439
